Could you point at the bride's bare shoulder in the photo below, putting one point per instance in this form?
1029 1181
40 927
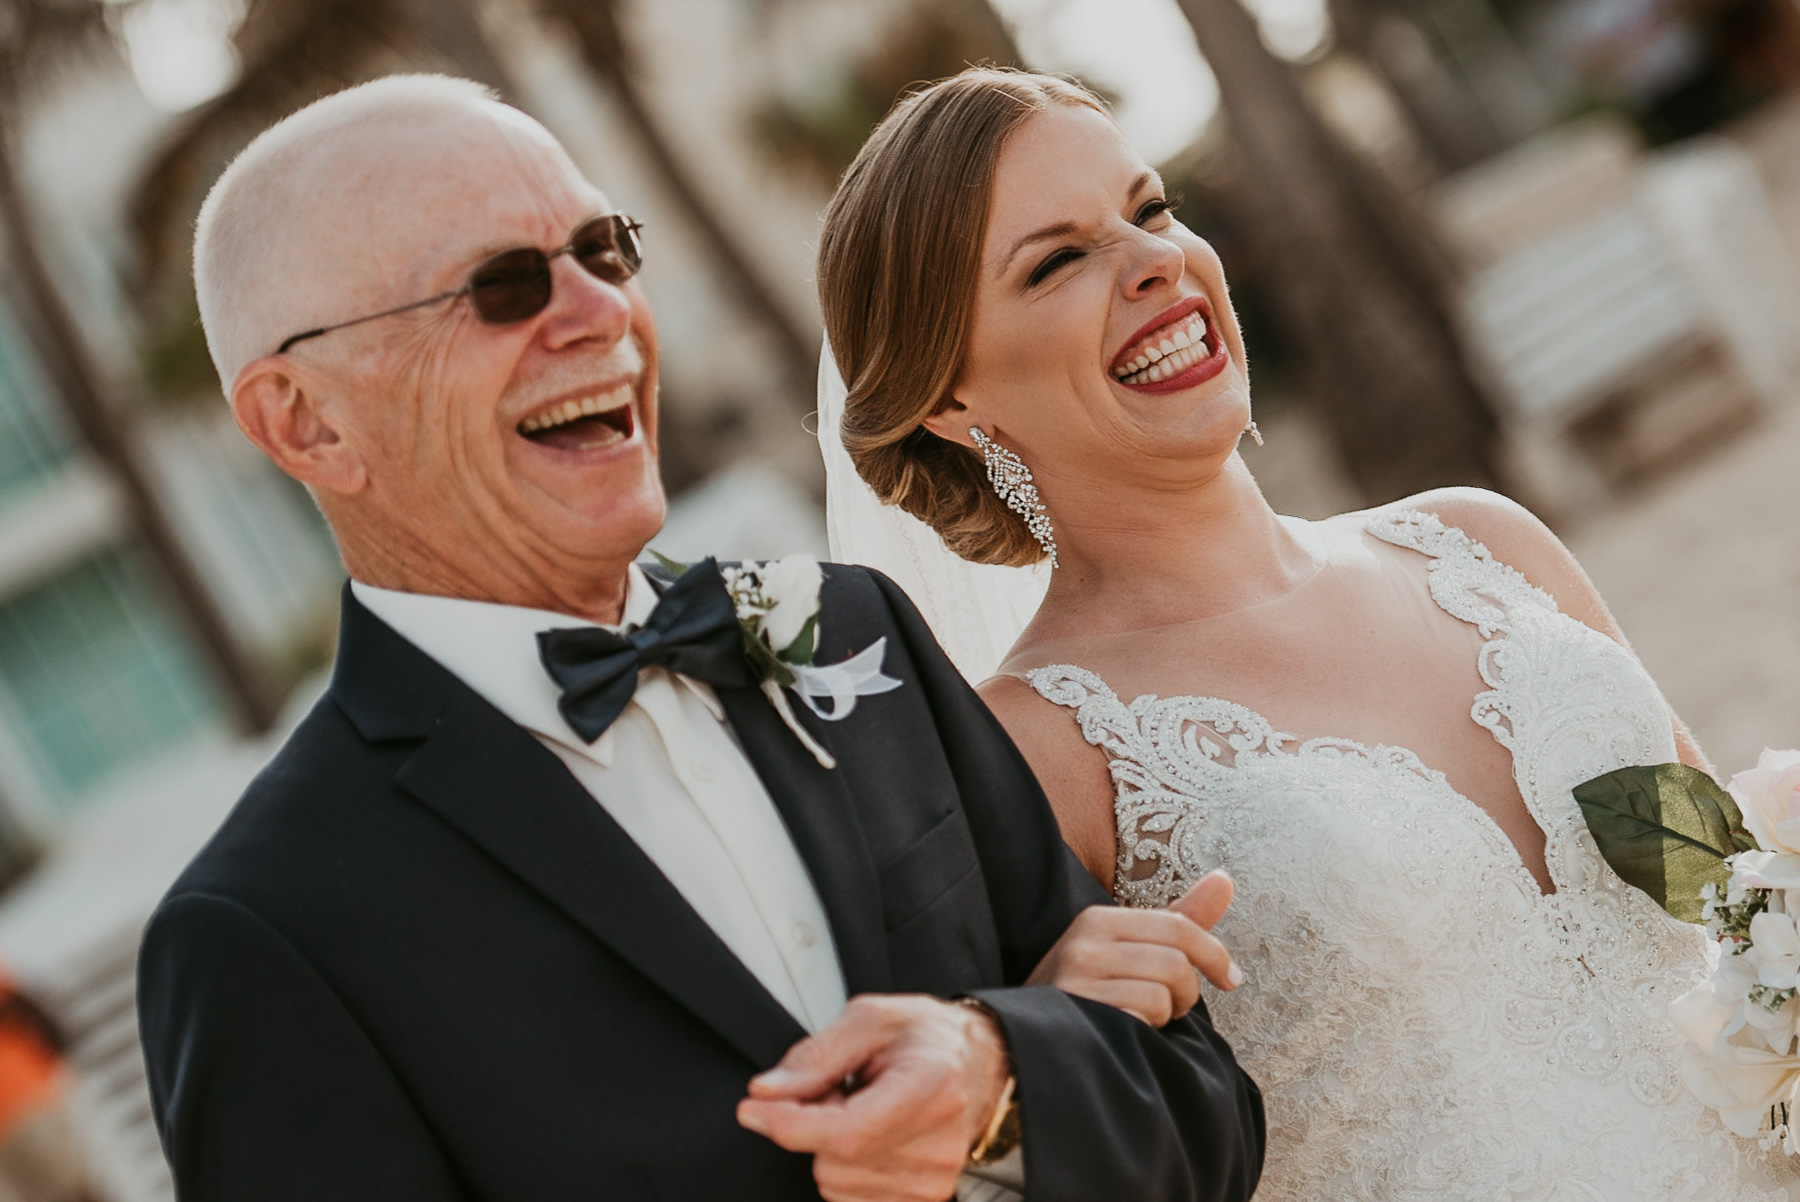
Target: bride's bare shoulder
1518 538
1074 774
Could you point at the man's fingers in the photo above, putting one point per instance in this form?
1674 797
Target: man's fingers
896 1102
796 1126
820 1063
1208 900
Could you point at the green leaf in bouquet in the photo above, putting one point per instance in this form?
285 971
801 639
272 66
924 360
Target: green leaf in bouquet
1666 829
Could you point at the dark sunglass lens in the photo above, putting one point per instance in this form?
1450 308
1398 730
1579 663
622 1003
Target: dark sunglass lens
510 287
609 248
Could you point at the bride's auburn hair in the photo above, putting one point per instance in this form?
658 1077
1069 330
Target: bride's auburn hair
899 259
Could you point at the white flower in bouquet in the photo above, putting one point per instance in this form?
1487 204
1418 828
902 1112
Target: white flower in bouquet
1775 950
1769 796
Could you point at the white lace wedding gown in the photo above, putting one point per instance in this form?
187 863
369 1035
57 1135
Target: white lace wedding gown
1425 1023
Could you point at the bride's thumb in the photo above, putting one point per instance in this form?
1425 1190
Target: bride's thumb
1208 900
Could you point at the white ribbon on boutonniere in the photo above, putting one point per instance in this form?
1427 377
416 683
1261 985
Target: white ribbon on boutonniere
778 609
844 682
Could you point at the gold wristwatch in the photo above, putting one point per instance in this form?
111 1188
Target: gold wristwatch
1004 1127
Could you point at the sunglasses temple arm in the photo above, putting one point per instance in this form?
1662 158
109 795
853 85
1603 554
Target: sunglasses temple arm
356 321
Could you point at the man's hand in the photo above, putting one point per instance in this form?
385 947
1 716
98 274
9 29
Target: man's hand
1143 961
889 1098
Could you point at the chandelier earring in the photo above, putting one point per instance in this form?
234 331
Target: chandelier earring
1012 483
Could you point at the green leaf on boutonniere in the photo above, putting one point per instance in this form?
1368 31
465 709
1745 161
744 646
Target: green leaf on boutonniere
763 661
674 565
1666 829
805 644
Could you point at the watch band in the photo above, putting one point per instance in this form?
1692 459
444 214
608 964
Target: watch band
1004 1127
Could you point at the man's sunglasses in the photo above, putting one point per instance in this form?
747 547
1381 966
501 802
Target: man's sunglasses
514 285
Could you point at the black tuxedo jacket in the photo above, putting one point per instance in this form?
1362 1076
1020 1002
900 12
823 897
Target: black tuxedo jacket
419 962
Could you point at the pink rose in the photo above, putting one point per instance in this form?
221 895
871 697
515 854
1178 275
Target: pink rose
1769 796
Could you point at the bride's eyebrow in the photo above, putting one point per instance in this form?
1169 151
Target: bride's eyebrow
1063 229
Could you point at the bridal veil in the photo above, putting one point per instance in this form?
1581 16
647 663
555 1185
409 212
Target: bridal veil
975 610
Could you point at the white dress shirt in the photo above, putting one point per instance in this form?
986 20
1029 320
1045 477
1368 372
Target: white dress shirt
670 772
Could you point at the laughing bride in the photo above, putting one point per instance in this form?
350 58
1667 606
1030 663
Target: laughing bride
1374 722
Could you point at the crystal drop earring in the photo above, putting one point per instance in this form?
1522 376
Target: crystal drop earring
1253 432
1012 483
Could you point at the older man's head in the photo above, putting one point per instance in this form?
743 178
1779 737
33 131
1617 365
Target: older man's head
446 452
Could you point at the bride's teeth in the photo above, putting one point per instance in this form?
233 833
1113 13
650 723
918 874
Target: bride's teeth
1174 352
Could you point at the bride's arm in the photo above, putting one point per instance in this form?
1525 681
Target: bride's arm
1515 536
1139 961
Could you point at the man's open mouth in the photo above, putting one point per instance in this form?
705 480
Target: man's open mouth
584 423
1172 347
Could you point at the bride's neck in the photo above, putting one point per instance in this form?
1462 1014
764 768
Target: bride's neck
1144 555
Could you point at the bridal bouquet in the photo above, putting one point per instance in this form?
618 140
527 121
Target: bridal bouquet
1728 858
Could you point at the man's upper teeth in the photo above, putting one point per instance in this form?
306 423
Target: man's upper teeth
1171 352
568 411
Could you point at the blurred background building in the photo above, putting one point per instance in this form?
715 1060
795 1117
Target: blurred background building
1543 245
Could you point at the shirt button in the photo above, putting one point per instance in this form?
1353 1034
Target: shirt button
804 935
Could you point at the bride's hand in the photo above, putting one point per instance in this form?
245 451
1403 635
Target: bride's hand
1144 962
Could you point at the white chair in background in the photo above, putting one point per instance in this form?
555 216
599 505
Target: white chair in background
1627 306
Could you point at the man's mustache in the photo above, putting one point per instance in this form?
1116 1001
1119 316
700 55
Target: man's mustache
625 360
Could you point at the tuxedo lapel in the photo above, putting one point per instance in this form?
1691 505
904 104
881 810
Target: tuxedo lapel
820 815
495 783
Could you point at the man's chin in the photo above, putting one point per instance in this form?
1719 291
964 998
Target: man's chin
616 526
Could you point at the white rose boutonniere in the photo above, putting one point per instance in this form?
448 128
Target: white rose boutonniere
790 589
778 609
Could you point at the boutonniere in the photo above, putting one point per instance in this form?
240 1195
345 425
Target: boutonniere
778 611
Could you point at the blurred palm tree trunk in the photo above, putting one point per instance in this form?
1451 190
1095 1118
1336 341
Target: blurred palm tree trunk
1355 277
1456 125
78 382
604 45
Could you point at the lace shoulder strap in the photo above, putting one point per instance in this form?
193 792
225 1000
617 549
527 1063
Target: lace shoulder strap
1172 737
1105 721
1465 579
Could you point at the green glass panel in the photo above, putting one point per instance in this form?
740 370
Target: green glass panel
33 439
98 672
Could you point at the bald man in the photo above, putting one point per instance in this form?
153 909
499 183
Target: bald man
547 899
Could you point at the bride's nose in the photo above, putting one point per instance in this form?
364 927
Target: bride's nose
1151 261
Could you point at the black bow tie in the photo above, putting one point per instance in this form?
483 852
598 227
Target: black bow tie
693 630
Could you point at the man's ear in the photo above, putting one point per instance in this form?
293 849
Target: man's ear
951 421
283 416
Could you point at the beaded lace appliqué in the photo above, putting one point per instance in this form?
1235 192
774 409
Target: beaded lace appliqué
1424 1022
